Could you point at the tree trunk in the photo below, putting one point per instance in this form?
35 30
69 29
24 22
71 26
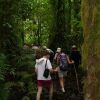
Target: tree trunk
68 17
91 48
9 29
57 37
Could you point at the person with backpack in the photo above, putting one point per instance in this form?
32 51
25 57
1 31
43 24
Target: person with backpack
63 61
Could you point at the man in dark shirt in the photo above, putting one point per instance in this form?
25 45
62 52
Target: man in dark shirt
76 56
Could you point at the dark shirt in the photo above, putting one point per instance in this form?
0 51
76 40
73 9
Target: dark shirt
76 56
51 57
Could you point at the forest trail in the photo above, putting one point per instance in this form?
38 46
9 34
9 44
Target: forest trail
54 23
71 88
71 85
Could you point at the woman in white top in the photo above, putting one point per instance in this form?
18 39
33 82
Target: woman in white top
41 80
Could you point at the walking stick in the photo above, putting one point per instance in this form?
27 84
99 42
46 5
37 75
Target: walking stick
77 79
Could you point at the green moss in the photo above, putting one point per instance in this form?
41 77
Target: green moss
91 48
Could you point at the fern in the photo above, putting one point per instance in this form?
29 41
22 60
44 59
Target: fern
3 68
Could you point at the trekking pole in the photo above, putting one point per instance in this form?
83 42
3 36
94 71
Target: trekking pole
77 79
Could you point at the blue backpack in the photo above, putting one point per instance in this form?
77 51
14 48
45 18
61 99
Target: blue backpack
63 62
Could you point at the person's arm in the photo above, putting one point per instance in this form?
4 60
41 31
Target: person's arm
50 66
55 56
58 59
39 60
70 62
36 67
80 58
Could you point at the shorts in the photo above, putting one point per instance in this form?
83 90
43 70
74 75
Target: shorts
44 83
62 73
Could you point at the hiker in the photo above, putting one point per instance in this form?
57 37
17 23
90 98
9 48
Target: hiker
61 59
75 70
57 55
40 66
51 55
76 57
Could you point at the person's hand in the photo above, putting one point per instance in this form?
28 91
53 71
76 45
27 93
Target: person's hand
56 69
72 62
35 70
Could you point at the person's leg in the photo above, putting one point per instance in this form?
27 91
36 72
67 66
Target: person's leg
61 79
49 86
39 93
40 86
51 92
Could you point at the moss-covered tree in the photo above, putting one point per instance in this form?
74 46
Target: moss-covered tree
91 48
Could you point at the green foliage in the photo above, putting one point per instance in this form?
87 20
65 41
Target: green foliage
3 66
37 28
19 77
66 25
26 60
24 73
3 69
33 22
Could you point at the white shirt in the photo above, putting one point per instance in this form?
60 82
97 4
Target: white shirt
40 67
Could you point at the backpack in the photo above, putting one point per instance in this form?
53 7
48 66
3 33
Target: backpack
63 62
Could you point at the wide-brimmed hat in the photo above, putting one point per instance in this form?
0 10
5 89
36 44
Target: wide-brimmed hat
74 46
49 50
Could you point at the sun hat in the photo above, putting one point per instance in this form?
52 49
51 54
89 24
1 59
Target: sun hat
49 50
74 46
